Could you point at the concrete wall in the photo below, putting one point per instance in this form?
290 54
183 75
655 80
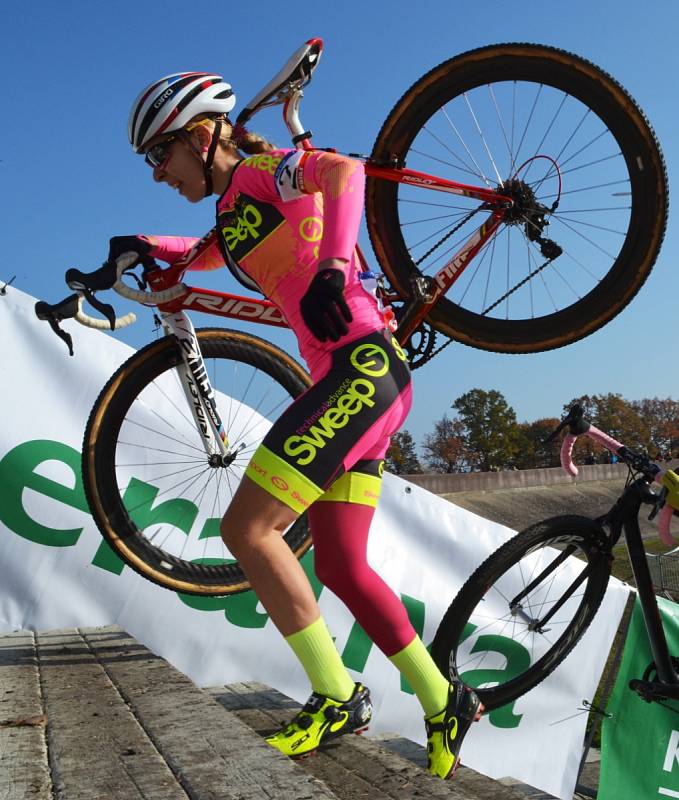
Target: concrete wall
517 479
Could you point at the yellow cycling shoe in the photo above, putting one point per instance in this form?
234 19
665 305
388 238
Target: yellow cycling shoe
447 729
321 720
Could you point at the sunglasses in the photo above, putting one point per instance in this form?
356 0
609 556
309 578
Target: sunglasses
159 154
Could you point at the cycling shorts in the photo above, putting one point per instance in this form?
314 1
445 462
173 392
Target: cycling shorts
330 442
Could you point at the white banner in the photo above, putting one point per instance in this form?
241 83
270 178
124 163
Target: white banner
55 573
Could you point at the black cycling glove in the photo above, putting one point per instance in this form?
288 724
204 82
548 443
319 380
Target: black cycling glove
126 244
323 307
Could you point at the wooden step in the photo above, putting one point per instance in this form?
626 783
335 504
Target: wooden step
91 714
121 724
360 767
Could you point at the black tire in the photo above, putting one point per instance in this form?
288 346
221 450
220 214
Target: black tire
599 271
135 401
545 652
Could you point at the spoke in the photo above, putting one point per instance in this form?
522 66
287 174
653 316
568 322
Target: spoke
120 465
170 489
483 139
592 225
428 203
525 584
530 283
181 411
590 210
181 442
214 508
480 261
197 501
542 278
557 158
443 256
271 412
464 169
537 149
229 393
577 152
563 172
150 449
465 166
480 172
509 250
490 269
586 238
153 480
435 233
453 217
499 119
228 480
515 160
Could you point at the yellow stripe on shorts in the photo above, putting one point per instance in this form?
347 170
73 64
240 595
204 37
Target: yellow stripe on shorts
354 487
281 480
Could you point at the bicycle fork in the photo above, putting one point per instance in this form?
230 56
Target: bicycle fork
198 391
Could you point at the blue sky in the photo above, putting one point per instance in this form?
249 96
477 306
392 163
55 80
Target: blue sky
70 180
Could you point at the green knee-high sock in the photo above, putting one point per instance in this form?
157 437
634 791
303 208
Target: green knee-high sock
315 648
431 688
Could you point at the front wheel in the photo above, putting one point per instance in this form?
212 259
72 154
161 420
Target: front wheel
155 496
571 149
525 608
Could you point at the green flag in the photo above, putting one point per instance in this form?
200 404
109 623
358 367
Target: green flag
640 743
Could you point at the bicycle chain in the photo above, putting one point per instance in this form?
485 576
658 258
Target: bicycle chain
517 286
450 233
507 294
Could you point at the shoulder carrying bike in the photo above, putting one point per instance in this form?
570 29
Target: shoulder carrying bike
543 219
543 587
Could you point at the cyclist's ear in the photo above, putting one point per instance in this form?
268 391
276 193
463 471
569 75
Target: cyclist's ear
202 136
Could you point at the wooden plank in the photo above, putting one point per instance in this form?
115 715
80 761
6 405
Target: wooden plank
24 767
214 754
97 747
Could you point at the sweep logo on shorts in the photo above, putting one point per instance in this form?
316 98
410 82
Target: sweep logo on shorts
368 359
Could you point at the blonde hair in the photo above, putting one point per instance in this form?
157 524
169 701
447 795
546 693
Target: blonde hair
248 142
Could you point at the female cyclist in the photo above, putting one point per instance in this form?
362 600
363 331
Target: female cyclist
287 224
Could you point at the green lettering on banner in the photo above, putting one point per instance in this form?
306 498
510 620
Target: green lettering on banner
357 649
640 741
517 661
17 473
210 529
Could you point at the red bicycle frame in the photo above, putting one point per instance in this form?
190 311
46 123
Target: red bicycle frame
256 310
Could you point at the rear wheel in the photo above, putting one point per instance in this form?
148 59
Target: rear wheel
154 494
513 622
576 155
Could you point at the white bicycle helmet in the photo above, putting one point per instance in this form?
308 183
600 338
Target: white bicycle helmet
170 103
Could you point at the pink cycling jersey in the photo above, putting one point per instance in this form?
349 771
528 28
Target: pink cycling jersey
283 213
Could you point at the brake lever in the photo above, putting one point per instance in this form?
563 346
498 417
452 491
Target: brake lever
105 309
66 310
575 420
88 283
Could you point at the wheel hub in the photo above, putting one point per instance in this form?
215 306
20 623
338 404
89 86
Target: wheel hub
218 461
527 211
525 206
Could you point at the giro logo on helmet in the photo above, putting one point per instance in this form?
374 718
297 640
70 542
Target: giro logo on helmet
163 97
